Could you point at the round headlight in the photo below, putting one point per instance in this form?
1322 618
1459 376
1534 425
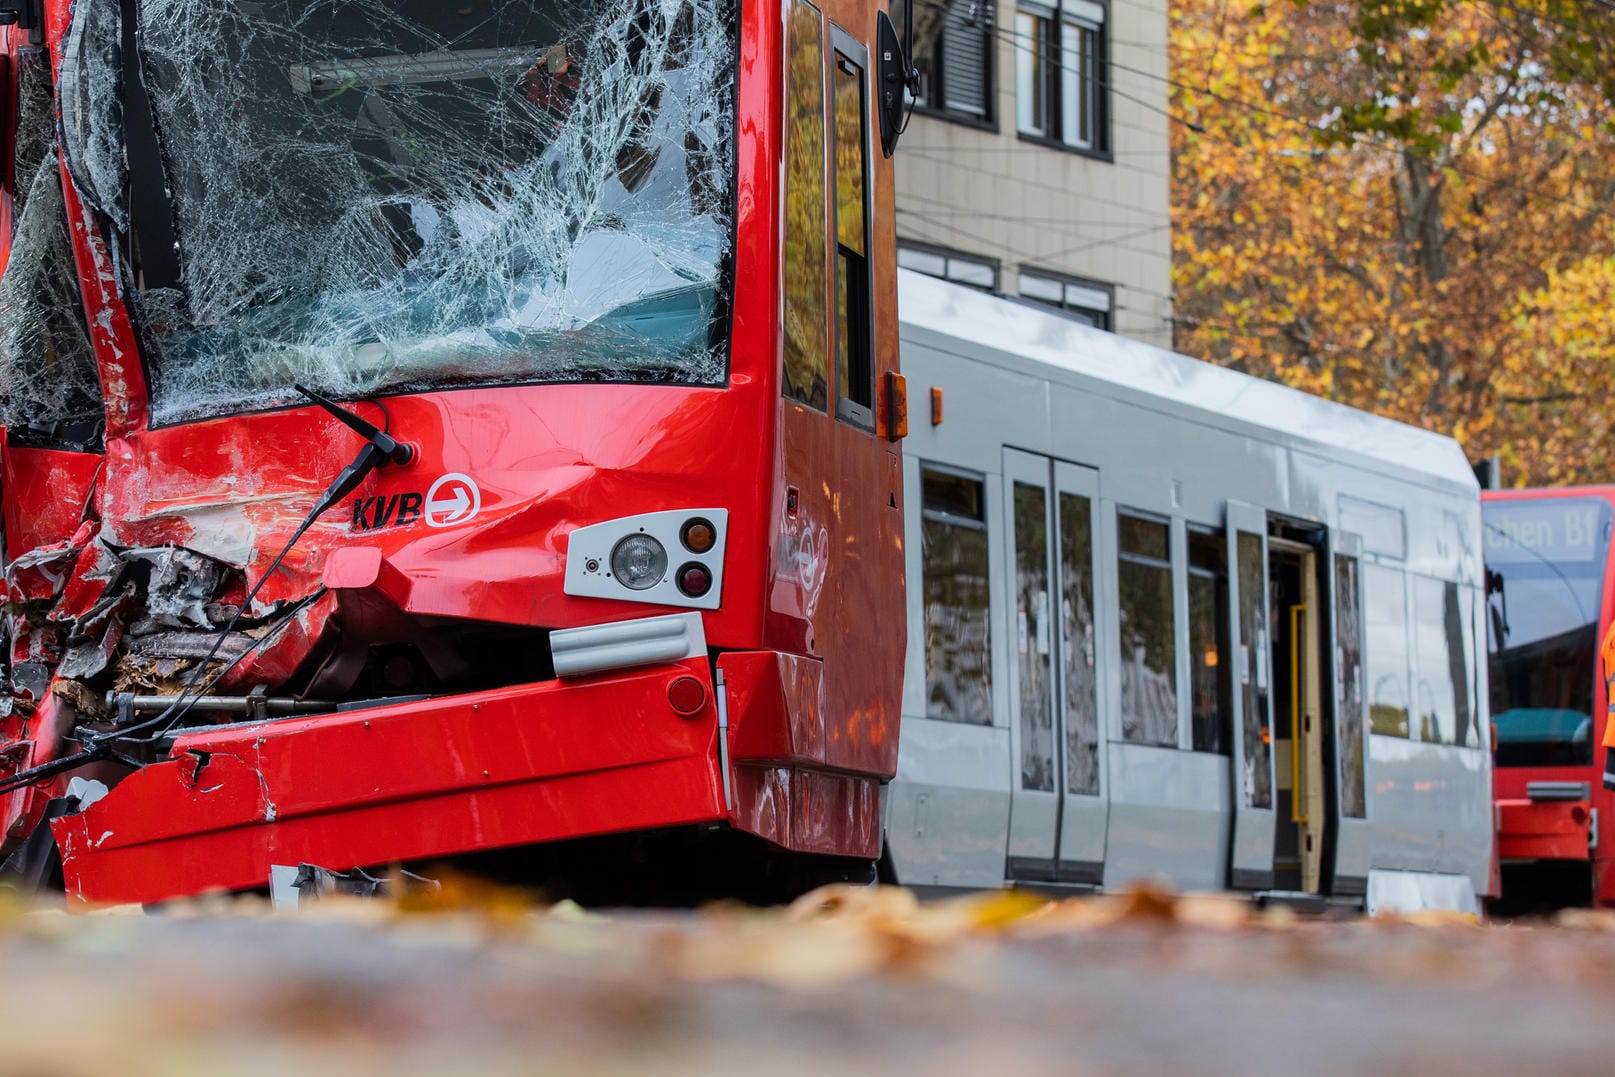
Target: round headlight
638 562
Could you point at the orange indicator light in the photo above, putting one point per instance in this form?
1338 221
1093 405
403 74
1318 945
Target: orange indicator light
698 536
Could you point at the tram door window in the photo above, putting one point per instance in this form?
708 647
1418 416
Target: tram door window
1077 644
1257 782
1210 683
1149 689
1034 632
1349 671
806 376
1297 712
855 368
953 551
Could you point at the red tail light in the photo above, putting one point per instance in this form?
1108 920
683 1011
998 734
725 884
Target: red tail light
694 580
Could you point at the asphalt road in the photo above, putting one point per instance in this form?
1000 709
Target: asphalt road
869 983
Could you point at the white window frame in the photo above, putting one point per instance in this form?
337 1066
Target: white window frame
1059 86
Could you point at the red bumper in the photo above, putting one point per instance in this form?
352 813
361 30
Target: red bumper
413 781
1543 830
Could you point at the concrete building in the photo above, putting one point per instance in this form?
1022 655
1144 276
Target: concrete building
1037 163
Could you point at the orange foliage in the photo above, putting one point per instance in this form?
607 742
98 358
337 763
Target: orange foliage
1417 224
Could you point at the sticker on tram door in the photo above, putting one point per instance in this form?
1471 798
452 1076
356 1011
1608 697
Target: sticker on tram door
452 499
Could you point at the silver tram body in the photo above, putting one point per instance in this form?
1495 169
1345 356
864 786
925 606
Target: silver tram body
1296 587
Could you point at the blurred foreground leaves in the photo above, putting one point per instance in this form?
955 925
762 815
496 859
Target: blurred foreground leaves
465 977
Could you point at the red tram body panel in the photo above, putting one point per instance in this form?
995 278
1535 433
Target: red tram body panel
425 607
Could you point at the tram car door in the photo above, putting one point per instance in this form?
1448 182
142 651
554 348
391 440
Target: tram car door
1298 716
1058 811
1352 839
1255 821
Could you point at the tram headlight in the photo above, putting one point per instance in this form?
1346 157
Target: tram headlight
639 562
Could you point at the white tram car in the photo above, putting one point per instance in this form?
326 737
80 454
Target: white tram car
1172 621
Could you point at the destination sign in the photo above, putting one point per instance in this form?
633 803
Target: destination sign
1567 530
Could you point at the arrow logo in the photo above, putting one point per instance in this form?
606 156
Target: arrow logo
452 499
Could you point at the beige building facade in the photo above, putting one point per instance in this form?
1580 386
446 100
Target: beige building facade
1037 163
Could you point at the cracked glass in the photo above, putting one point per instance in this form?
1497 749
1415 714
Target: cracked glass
372 196
49 389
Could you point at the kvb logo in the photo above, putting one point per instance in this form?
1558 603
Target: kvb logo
452 499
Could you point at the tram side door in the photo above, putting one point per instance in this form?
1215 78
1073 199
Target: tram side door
1297 706
1353 838
1254 822
1058 806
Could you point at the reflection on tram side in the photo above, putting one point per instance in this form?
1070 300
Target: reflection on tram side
1173 621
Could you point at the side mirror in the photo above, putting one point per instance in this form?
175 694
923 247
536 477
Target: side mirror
893 76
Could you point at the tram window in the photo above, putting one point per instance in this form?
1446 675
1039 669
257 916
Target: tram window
1081 691
1441 662
953 552
1385 607
1349 644
1034 635
1210 682
807 370
1148 631
855 378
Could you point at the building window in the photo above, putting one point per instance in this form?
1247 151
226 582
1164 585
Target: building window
953 50
953 554
1148 631
1211 688
960 268
1083 301
1060 78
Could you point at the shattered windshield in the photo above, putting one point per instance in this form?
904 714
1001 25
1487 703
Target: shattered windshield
389 195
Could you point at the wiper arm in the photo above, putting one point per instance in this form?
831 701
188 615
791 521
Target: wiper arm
381 449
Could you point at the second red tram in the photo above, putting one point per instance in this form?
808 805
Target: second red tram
444 429
1550 601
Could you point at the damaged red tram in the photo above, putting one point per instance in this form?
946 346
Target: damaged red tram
434 430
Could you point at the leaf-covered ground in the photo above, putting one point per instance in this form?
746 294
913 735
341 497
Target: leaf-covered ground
845 982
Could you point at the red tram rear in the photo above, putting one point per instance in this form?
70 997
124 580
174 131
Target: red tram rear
1549 604
600 292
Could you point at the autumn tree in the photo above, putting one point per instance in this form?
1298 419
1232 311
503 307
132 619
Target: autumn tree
1405 205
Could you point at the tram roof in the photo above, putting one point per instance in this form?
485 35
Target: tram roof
1012 334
